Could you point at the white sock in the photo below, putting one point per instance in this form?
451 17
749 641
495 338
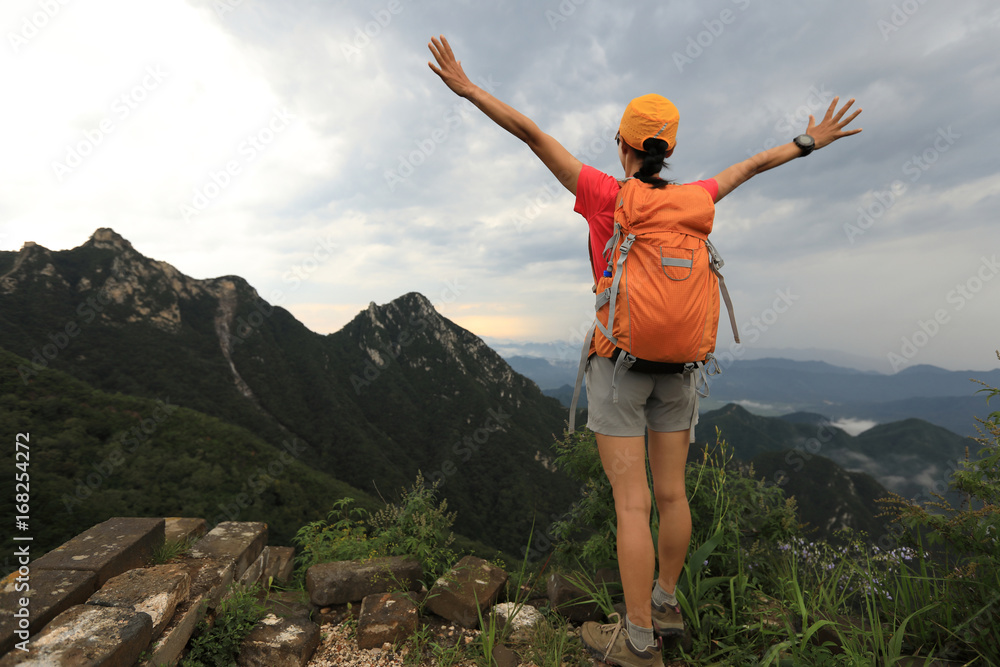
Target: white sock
661 597
641 638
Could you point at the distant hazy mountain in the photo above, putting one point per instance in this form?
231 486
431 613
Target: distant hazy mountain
911 457
399 389
780 386
828 497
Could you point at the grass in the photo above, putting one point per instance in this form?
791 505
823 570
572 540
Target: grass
755 592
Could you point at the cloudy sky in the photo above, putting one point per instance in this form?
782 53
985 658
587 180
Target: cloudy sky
306 146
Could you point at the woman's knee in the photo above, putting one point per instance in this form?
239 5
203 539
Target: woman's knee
633 506
669 496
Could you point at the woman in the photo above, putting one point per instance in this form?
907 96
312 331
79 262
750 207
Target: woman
665 404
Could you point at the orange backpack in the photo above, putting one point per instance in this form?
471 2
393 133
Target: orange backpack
658 300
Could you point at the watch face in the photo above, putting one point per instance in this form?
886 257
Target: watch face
805 141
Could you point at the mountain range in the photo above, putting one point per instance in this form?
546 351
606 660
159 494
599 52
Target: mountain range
781 386
398 390
147 391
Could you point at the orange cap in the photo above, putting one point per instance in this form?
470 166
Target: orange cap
649 116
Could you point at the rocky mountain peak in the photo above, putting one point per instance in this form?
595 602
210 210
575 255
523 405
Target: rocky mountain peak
107 238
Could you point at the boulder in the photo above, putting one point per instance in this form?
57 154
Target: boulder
107 549
521 619
571 601
353 580
467 591
51 592
386 617
168 648
87 635
279 642
240 541
210 577
183 529
280 564
155 590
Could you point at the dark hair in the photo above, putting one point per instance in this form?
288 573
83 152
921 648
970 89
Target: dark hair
653 155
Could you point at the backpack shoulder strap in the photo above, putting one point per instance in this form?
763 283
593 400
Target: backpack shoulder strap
717 263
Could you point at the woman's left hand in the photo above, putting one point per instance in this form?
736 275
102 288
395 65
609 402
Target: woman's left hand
448 68
833 124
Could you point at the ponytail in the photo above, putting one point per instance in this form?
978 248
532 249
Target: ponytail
653 155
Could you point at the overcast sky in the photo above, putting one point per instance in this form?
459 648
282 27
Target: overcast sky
307 147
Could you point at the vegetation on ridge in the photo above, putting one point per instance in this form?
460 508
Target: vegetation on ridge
754 591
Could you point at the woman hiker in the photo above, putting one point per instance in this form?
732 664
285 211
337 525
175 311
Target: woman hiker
665 404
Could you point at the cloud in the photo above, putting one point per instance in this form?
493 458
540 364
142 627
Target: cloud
418 187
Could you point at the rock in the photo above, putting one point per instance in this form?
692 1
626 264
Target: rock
51 592
353 580
182 529
289 604
87 635
279 642
210 577
168 648
241 541
254 573
466 591
504 657
107 549
569 600
280 564
386 618
522 620
156 591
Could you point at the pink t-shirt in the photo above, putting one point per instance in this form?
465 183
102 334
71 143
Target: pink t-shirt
595 201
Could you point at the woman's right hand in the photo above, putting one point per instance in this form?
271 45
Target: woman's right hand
448 68
832 126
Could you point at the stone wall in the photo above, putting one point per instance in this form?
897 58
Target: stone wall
97 600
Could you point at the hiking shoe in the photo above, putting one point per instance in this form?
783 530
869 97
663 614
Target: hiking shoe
667 620
612 645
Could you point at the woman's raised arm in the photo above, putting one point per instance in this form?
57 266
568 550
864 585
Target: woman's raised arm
560 161
825 133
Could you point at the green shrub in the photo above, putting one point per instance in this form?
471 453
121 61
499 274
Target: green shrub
218 645
417 525
722 497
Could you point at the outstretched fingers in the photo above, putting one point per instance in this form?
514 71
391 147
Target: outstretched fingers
448 67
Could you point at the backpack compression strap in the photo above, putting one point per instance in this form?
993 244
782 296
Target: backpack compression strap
717 263
611 294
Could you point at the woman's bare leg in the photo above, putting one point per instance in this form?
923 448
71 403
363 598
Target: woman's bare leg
667 461
624 461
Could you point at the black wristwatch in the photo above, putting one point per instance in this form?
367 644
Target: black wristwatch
805 143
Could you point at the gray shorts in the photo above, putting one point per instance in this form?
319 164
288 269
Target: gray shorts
666 402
